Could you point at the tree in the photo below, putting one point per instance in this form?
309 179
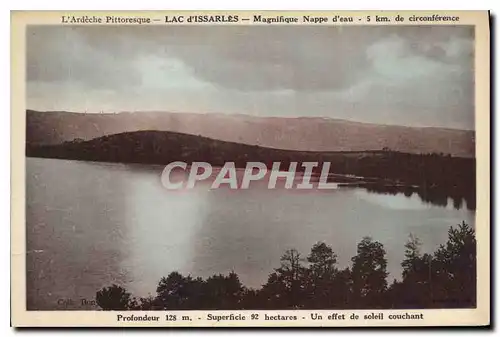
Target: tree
114 298
341 290
217 292
223 292
369 274
149 303
286 286
412 255
321 274
454 269
414 291
444 279
322 261
252 299
179 292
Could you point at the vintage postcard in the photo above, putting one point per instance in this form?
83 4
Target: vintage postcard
250 169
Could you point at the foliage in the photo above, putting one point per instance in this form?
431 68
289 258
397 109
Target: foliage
114 298
443 279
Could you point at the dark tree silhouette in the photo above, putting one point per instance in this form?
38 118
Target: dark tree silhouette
286 287
322 261
149 303
414 291
114 298
223 292
412 255
444 279
454 269
369 274
184 292
179 292
322 276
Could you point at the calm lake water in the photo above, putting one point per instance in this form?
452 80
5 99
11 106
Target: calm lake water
93 224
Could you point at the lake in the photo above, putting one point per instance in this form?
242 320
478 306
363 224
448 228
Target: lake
93 224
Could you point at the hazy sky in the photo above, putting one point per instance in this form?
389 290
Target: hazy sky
417 76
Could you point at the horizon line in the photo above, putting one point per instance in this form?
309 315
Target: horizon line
239 114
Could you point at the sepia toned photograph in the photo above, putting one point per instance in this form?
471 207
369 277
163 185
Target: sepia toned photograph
196 169
250 167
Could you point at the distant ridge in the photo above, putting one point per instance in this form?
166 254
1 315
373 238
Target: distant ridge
302 133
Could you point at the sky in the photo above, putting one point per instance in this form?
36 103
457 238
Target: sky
405 75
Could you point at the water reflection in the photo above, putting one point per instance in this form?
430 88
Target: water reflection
429 195
163 226
107 223
410 201
74 231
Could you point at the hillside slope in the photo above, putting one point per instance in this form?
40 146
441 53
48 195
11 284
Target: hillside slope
440 175
307 134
